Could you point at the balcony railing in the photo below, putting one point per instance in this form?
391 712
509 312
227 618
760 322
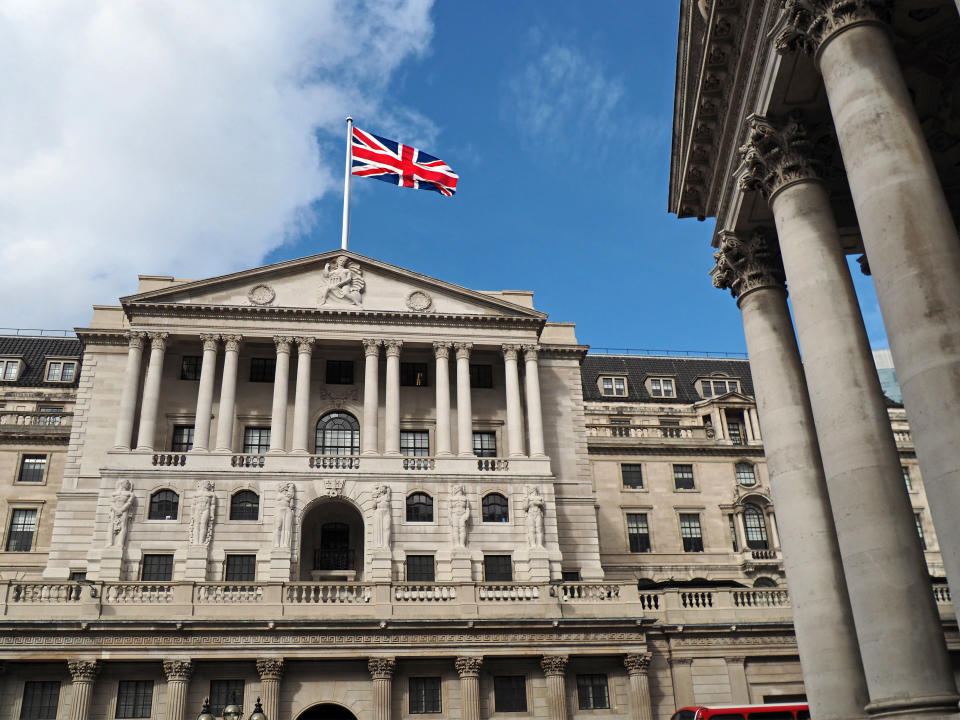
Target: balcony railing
35 423
650 432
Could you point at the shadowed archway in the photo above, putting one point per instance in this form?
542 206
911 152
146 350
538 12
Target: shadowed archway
331 542
326 711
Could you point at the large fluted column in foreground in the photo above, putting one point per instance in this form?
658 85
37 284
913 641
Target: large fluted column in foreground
208 376
228 392
391 420
128 398
281 388
441 352
271 672
178 674
151 392
301 400
637 665
464 406
468 668
371 401
534 411
555 670
82 673
381 670
512 388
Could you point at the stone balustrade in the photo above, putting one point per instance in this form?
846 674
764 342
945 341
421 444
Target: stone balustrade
26 422
659 433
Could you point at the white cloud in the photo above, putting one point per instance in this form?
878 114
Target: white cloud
177 137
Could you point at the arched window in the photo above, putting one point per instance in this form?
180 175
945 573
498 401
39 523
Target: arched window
756 528
746 475
419 507
764 582
496 508
245 505
338 433
164 505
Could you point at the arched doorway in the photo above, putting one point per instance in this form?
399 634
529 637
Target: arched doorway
326 711
331 542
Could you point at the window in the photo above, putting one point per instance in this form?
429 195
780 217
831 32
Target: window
78 575
164 505
339 372
240 568
9 370
338 433
485 444
40 700
497 568
755 528
711 388
683 477
746 475
223 693
670 428
256 440
424 695
632 475
613 386
570 575
662 387
638 532
690 532
33 468
156 568
263 369
420 568
134 699
413 374
244 505
49 414
495 508
415 443
481 376
510 693
182 438
592 692
419 507
906 478
733 533
919 520
61 371
190 366
736 432
23 524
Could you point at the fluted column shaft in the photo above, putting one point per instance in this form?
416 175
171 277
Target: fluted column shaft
468 668
464 407
128 398
178 674
441 352
208 374
637 665
301 401
82 674
514 414
228 393
271 672
555 669
369 438
151 393
391 439
534 412
381 670
281 389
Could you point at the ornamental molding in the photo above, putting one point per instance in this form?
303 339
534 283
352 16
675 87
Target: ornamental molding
392 348
418 300
468 666
338 398
810 24
463 350
441 350
554 664
136 339
637 663
270 668
177 670
371 347
231 343
158 340
83 670
282 343
333 487
262 294
510 352
747 262
210 342
381 668
305 345
776 155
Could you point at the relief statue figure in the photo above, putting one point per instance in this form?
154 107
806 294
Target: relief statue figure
383 520
204 514
344 281
121 508
534 517
286 498
459 515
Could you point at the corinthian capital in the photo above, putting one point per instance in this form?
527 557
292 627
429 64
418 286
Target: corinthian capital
305 345
468 666
747 262
393 347
554 664
136 339
177 669
83 670
371 347
270 668
158 340
637 663
381 668
209 342
231 343
811 23
510 351
776 155
463 350
282 343
441 350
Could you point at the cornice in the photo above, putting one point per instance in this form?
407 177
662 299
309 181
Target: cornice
563 351
97 336
597 446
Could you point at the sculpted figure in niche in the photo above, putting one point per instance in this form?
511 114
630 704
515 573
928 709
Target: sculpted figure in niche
534 517
344 281
286 498
204 514
121 508
459 515
383 520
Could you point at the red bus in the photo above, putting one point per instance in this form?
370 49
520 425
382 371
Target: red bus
772 711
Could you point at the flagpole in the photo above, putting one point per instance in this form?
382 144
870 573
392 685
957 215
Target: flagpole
345 236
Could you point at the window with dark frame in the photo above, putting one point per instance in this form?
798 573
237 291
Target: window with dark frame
638 532
746 475
733 533
413 374
240 568
244 505
495 508
510 693
683 477
78 575
223 693
632 475
61 371
906 477
919 522
419 507
339 372
190 366
23 526
134 699
755 528
592 692
497 568
420 568
415 443
485 444
164 505
338 433
481 376
690 532
33 468
9 369
182 438
570 575
156 568
263 369
41 698
424 695
256 440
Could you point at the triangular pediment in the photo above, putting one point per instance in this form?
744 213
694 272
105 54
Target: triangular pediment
335 281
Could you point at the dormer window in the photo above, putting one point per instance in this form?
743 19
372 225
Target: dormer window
661 387
613 386
10 369
713 387
63 371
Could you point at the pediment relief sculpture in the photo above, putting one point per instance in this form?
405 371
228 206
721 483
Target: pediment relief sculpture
343 281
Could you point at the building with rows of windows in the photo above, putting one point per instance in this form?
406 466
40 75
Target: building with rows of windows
353 491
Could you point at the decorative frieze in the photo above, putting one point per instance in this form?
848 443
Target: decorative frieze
468 666
747 262
637 663
270 668
776 155
554 664
381 668
177 670
811 23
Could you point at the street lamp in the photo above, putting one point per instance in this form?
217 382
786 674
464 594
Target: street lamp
205 713
232 712
257 713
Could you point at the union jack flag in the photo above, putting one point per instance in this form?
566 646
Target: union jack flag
402 165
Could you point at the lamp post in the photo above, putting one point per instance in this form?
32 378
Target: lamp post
231 712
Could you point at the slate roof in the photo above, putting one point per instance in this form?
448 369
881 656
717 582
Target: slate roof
685 371
34 351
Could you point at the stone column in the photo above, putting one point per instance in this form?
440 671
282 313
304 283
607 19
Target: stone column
208 374
82 675
441 352
281 388
468 668
555 670
737 672
381 670
151 392
772 528
464 408
534 413
637 665
228 392
369 438
739 527
301 401
514 415
681 673
271 672
391 430
128 398
908 233
894 615
178 674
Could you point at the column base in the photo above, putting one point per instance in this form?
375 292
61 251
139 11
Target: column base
466 455
911 707
144 449
392 453
197 449
276 451
517 455
369 452
444 453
